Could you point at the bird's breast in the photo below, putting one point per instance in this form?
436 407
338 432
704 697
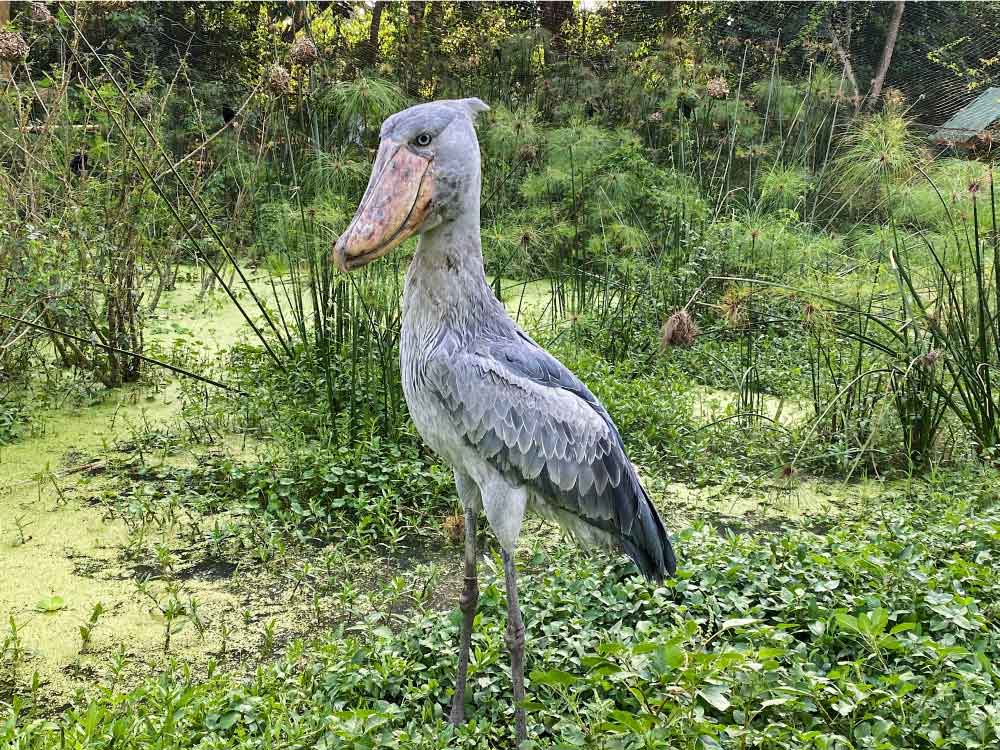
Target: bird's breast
419 341
443 317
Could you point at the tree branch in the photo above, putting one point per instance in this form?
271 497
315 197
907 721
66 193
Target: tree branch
845 61
890 44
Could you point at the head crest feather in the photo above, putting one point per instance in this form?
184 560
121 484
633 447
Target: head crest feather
471 106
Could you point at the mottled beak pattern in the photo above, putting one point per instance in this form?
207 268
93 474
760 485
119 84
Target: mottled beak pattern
397 202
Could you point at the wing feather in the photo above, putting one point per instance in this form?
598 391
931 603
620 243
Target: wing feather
532 418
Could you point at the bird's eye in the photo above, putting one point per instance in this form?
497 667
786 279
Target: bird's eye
424 139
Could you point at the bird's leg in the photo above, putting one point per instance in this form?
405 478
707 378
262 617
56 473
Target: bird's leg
515 641
467 603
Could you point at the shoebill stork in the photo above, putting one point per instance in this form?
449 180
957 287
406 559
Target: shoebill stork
519 429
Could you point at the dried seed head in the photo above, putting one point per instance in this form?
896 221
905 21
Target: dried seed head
41 14
454 528
528 152
929 360
13 48
679 330
303 52
718 88
810 313
143 103
934 320
974 187
279 80
656 116
733 306
894 98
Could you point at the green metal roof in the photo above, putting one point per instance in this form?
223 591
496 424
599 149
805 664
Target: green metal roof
972 119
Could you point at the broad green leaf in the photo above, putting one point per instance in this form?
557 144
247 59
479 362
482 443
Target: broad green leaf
50 604
775 702
716 696
668 657
554 677
847 622
738 622
637 724
228 719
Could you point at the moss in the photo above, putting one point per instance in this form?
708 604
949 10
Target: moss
526 301
71 549
712 404
59 536
764 506
212 322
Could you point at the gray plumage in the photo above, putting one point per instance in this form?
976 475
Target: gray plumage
519 429
488 399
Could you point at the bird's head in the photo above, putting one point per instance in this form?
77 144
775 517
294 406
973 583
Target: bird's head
426 172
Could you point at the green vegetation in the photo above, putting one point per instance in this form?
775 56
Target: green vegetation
218 525
869 634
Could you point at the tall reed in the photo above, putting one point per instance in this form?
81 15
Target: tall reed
956 306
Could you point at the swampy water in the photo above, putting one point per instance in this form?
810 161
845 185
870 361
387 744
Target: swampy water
64 551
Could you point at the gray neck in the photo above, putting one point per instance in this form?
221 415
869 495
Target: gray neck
446 284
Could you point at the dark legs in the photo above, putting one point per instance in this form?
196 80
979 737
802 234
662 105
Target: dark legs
467 603
515 640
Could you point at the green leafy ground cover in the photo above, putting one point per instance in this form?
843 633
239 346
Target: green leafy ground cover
879 632
278 569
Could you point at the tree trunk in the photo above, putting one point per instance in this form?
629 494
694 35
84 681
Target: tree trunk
434 29
4 19
415 10
298 10
553 15
890 44
373 30
845 61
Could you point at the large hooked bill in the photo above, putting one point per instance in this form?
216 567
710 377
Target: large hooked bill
397 202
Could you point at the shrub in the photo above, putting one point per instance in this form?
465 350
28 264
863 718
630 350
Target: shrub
878 156
785 186
772 245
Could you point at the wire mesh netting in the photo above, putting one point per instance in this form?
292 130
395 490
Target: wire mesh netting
632 149
943 55
764 235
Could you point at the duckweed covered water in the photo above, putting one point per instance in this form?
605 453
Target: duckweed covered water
63 553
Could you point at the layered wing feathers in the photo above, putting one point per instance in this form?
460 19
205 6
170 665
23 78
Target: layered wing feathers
532 418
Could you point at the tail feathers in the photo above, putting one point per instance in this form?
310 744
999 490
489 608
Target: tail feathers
646 541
